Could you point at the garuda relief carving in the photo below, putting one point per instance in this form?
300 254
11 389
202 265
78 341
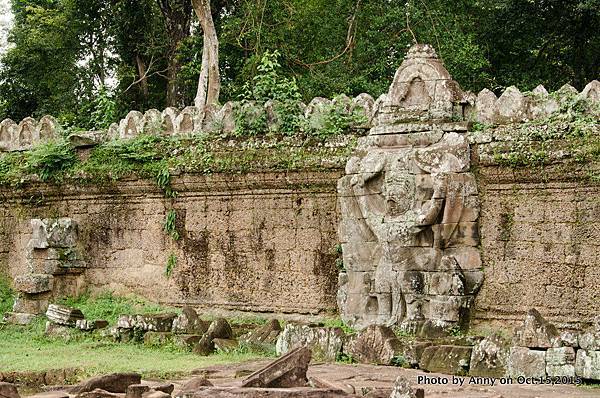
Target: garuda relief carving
409 209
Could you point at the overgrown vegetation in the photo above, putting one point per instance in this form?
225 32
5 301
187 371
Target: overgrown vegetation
573 132
158 157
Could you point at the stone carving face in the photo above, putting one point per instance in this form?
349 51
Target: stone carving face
399 192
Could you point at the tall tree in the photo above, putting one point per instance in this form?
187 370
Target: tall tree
209 82
177 17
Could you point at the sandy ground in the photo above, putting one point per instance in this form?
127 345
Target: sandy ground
366 377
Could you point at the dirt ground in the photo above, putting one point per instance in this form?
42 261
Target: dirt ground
366 377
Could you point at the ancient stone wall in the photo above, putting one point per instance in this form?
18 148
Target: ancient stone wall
540 241
260 242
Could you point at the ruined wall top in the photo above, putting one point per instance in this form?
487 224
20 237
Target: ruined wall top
422 93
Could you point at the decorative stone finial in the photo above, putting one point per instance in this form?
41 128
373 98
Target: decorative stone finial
422 91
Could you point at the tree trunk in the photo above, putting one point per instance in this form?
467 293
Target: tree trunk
209 83
141 65
178 17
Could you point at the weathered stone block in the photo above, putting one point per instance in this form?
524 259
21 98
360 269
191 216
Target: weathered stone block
376 344
34 283
446 359
188 322
489 357
266 335
8 390
560 362
587 364
226 345
30 305
151 322
186 341
63 315
287 371
525 362
57 233
115 383
536 332
325 343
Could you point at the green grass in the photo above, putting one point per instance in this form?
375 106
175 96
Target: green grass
108 306
27 349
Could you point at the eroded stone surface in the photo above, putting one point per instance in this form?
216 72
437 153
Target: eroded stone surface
525 362
287 371
376 344
536 332
446 359
587 364
325 343
489 357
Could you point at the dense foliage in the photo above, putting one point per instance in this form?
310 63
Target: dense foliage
90 61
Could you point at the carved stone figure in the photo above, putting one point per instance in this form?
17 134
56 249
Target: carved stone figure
409 209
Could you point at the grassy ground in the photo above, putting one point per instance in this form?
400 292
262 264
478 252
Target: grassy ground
27 349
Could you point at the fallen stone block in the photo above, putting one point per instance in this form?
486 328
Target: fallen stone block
166 388
186 341
447 359
204 347
325 343
188 322
286 372
489 357
264 336
587 364
525 362
226 345
8 390
536 332
55 330
34 283
88 325
219 329
376 344
147 323
115 383
63 315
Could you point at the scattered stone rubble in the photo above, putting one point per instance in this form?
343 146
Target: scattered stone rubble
54 263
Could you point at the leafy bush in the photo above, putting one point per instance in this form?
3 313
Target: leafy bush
269 85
